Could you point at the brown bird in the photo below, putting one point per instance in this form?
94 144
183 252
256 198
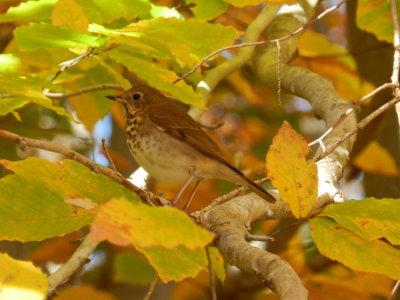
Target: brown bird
171 146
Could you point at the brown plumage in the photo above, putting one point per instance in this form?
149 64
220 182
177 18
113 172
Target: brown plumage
170 145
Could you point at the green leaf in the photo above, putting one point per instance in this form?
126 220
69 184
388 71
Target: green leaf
217 263
27 88
370 218
125 223
68 13
207 9
10 105
40 35
132 268
21 280
9 64
36 10
374 16
101 11
165 12
176 264
43 199
155 75
94 102
340 244
186 41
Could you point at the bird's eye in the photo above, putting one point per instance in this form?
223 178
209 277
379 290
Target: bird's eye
136 96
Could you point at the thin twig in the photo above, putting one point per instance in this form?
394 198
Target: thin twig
107 154
213 284
278 48
262 238
364 122
396 55
117 177
76 261
151 287
350 110
72 62
286 37
214 126
396 44
224 198
394 290
105 86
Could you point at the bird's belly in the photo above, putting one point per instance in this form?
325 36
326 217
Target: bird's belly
164 158
170 160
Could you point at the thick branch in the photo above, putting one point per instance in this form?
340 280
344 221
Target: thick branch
231 221
320 92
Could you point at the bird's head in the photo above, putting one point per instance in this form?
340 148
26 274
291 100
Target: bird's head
140 98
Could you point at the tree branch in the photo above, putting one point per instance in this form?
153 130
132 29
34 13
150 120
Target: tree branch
215 75
230 222
104 86
117 177
76 261
396 55
250 44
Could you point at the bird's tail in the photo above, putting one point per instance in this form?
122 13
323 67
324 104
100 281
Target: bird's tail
259 190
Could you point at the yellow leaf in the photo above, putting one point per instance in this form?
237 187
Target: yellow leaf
125 223
329 60
289 171
376 159
21 280
68 13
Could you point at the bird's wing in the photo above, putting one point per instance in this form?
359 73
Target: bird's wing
181 126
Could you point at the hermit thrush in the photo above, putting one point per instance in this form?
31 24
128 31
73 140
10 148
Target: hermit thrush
170 145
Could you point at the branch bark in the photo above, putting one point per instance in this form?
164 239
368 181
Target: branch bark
231 221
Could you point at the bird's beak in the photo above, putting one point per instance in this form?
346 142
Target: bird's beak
116 98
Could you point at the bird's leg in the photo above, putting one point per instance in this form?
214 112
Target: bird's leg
184 186
196 187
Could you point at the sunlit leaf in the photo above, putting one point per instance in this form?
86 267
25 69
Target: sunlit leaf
156 75
217 263
176 264
125 223
21 280
9 64
132 268
106 11
376 159
31 10
21 90
165 12
208 9
34 207
40 35
340 244
289 171
370 218
68 13
167 33
10 105
374 16
84 292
